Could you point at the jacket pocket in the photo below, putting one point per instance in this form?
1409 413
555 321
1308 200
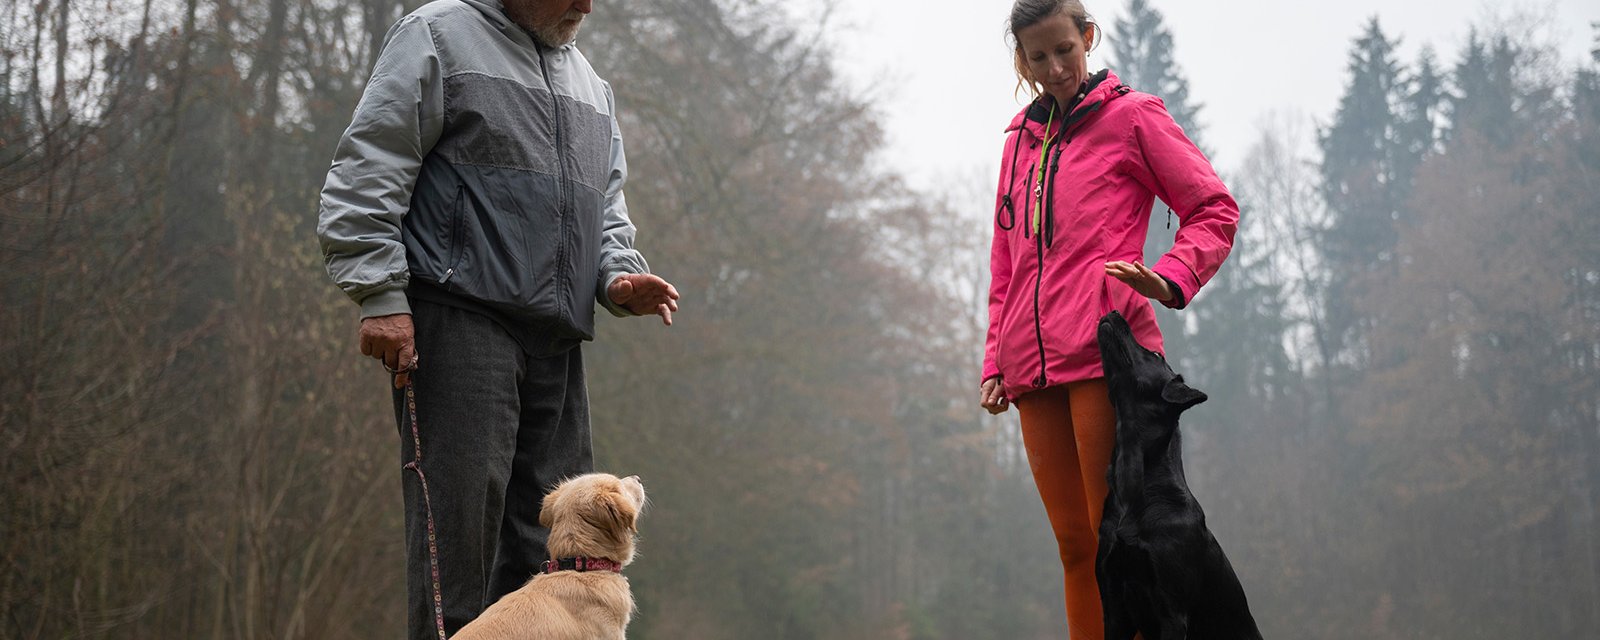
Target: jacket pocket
457 215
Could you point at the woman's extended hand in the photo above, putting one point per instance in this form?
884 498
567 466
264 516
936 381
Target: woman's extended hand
1148 283
993 397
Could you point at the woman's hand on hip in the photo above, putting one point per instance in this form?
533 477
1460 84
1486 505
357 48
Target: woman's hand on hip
1148 283
993 397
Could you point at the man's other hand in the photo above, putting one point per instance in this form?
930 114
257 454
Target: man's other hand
392 340
644 294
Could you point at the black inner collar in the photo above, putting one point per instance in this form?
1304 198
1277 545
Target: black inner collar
1039 111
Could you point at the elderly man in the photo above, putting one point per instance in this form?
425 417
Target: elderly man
475 212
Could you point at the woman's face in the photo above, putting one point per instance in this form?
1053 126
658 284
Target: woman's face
1056 55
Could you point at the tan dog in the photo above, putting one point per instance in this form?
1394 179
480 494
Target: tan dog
592 518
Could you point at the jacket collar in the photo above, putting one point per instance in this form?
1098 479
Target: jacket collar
1100 89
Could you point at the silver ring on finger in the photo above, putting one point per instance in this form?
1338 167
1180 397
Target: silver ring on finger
410 366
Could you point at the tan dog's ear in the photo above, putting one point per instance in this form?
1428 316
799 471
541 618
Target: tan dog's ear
623 509
547 512
612 513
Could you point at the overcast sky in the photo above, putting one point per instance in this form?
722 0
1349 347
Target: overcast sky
941 71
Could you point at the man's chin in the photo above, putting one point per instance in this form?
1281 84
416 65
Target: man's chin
561 34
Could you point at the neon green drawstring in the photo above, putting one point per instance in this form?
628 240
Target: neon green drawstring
1044 159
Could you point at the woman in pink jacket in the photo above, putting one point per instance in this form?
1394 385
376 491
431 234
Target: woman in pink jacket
1081 166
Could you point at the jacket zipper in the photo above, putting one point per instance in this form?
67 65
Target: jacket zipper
1038 326
562 276
1038 276
455 233
1046 210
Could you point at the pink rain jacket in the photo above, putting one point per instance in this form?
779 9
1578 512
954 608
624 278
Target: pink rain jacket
1119 150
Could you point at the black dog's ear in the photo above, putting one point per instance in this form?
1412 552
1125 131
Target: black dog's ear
1183 395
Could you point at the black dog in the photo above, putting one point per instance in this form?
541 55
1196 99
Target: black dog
1161 572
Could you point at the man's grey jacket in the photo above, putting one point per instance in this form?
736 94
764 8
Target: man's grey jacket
486 165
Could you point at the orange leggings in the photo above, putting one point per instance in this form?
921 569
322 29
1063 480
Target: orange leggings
1068 432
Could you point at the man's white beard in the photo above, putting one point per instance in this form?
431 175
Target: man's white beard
562 32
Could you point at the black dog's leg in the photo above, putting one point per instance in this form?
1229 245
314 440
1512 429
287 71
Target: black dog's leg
1175 625
1120 624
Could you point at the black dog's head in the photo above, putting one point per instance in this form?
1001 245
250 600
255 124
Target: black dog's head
1139 378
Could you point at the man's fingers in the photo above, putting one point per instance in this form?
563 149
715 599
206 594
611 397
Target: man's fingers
401 379
366 344
408 355
656 288
661 297
645 294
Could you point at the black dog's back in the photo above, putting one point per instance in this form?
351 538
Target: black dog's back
1161 572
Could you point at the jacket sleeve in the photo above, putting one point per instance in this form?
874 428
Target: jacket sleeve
617 255
368 189
999 273
1174 169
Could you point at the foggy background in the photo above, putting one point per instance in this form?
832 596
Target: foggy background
1402 438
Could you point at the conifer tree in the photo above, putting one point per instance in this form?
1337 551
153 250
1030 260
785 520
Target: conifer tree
1360 181
1144 58
1482 102
1586 106
1420 118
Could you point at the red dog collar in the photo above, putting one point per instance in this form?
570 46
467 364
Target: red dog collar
580 564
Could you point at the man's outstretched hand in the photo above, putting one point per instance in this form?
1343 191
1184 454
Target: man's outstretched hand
644 294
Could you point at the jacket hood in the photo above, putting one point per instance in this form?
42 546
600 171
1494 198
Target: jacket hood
1101 88
494 10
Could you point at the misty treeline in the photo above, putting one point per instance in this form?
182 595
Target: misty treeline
1403 438
1401 355
193 446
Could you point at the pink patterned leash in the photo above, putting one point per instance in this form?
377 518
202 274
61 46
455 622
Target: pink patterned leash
427 505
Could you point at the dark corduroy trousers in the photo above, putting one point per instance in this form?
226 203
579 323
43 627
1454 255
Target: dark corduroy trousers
499 427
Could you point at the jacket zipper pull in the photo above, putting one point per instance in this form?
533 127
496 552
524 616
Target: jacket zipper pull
1169 217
